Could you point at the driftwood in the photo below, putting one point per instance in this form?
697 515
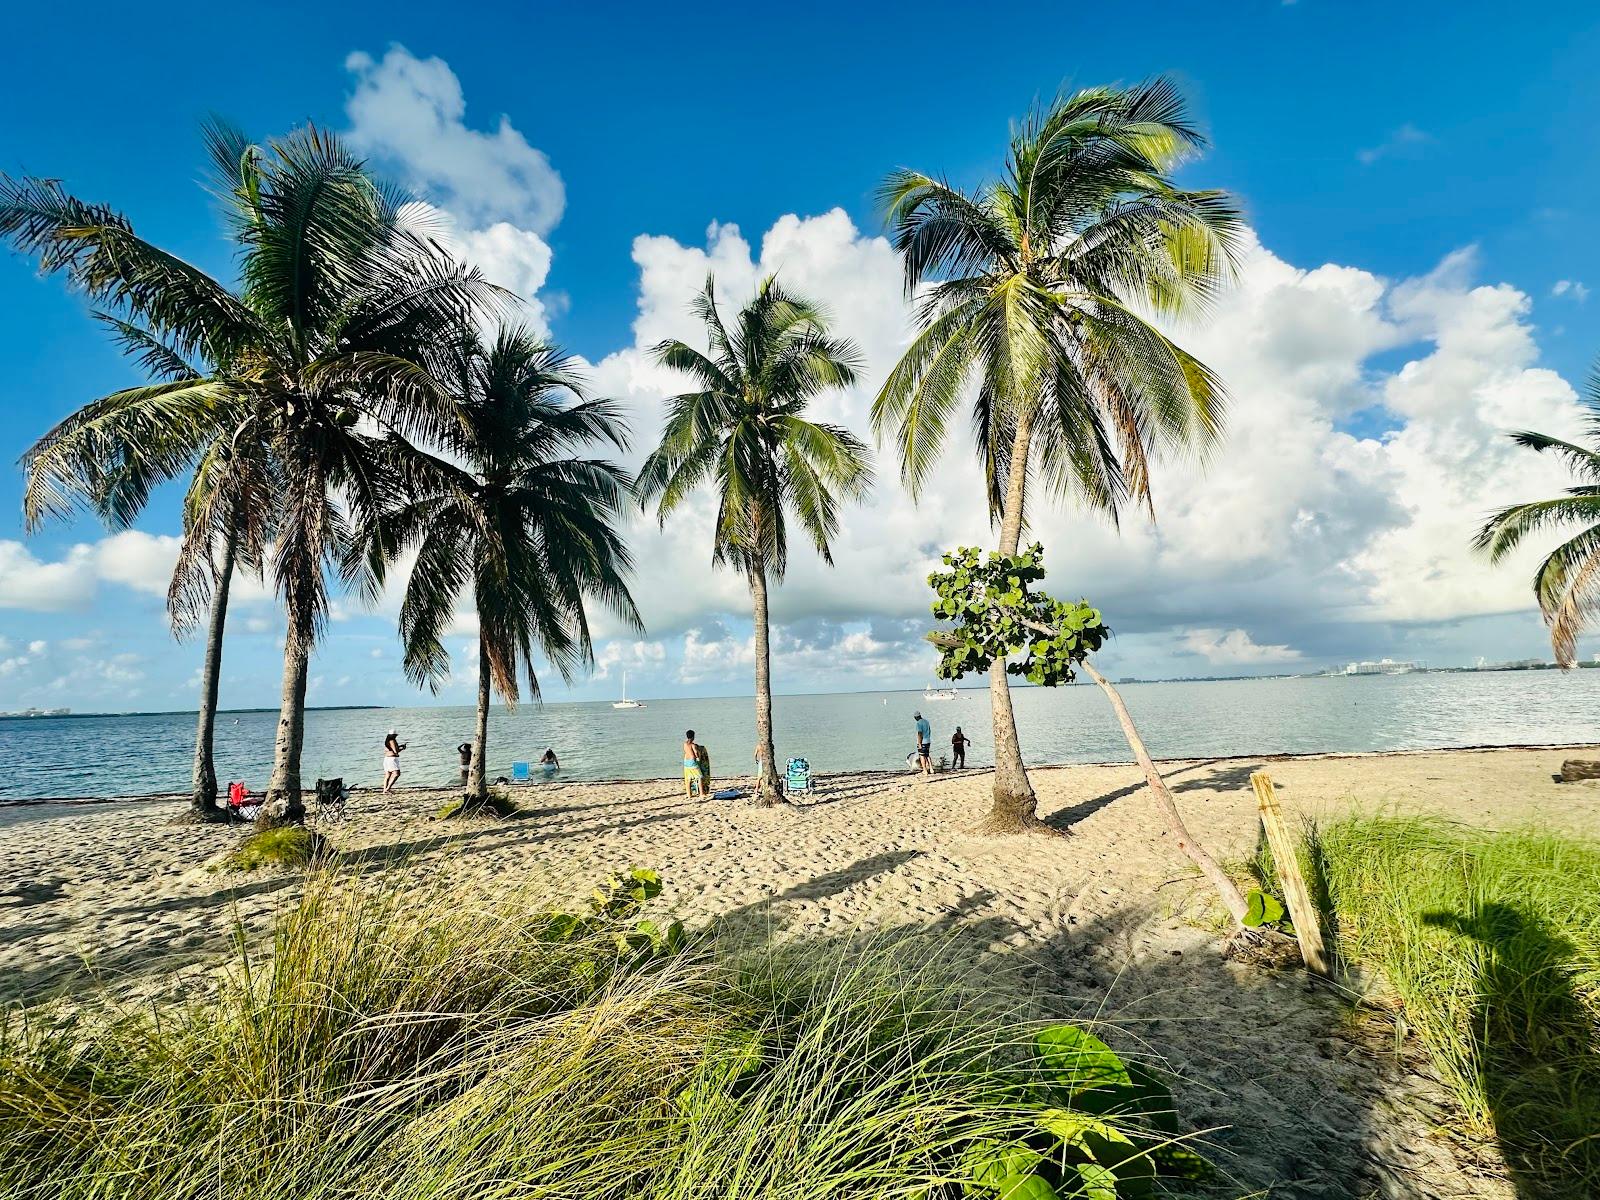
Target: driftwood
1574 769
1286 858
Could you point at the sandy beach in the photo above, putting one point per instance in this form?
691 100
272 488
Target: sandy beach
1295 1084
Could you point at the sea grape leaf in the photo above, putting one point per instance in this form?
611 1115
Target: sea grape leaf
1027 1187
1096 1182
990 1163
1079 1060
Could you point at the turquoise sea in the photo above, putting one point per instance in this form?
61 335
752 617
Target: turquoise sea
143 754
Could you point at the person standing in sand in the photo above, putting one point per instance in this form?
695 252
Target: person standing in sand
958 749
691 764
392 746
465 751
924 744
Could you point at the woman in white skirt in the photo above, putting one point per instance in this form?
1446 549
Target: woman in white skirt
392 746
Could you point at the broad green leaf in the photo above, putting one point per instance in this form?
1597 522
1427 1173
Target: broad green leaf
1078 1059
1096 1182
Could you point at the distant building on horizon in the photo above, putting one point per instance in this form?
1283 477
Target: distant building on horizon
1384 666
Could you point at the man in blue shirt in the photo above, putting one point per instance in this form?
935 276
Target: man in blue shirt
924 744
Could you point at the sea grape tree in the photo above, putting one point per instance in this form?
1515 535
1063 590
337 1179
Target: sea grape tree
993 611
997 614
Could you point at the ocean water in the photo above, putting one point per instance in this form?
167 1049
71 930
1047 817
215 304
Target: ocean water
142 754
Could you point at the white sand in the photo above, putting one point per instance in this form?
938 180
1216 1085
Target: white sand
1110 921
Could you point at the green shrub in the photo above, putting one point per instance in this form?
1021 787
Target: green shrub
410 1045
286 846
1492 942
498 803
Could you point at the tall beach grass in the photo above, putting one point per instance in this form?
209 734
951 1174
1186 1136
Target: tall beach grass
407 1046
1492 942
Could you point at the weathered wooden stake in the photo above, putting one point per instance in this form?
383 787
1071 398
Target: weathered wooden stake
1286 858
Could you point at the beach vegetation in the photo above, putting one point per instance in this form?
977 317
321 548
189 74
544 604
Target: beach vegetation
743 431
285 847
110 454
1490 943
1034 295
323 354
406 1046
495 802
1567 581
990 611
508 511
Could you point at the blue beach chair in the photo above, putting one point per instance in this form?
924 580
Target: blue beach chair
519 772
798 775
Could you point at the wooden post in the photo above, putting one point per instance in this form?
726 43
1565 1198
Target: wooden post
1286 857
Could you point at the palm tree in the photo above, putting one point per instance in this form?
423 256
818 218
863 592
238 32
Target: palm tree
744 431
512 518
102 457
1037 287
328 344
1567 583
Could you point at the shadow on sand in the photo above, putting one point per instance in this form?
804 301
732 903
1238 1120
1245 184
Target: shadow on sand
1536 1049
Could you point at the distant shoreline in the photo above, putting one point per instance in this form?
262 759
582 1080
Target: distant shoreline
875 772
1124 681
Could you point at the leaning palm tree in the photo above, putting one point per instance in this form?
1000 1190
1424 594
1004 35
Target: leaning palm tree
744 431
1034 297
512 517
104 458
328 344
1567 583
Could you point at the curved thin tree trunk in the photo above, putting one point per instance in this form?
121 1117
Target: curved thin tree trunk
478 773
1217 877
284 804
203 794
1015 808
767 790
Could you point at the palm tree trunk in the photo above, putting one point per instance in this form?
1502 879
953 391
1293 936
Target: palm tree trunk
1015 808
203 794
283 803
478 773
1218 878
767 791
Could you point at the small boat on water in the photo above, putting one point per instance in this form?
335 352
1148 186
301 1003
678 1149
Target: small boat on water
625 702
933 693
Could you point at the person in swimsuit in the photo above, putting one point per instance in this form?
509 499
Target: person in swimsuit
958 748
465 751
550 763
392 746
691 764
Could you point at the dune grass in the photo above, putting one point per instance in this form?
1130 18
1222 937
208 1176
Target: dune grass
498 803
287 846
1492 941
396 1045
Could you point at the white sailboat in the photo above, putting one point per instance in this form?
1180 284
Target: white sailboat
625 702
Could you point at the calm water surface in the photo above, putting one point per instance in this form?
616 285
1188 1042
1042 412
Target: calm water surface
133 755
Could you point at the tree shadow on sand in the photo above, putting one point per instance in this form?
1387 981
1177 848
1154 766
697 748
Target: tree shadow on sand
1269 1079
1536 1050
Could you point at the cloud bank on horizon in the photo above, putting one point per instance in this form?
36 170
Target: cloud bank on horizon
1365 442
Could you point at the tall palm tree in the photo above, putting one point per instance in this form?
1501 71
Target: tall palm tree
327 345
1036 289
1567 583
513 518
745 432
103 457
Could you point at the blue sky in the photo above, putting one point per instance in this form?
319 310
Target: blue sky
1436 163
